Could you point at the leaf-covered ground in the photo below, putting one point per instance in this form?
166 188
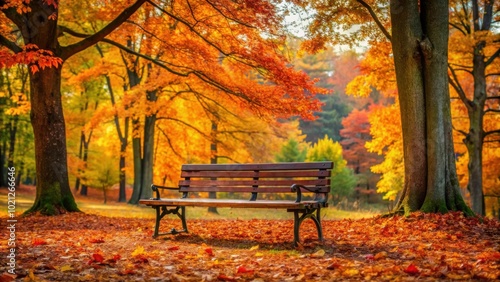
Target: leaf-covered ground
82 247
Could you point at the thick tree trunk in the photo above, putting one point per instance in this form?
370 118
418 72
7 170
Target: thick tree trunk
53 194
420 44
406 34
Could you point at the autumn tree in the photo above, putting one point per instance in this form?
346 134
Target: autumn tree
37 23
419 38
245 37
475 52
356 133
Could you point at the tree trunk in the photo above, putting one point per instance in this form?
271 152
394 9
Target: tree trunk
53 194
147 160
80 156
148 149
475 137
86 144
136 147
420 44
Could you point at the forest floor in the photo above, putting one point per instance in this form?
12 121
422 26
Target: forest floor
119 247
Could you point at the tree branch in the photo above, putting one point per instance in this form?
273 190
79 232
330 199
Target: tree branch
459 131
491 111
72 49
376 19
487 133
9 44
456 85
493 57
169 141
492 97
458 28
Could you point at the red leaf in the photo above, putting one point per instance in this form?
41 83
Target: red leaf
223 277
96 241
173 248
39 242
117 257
97 258
242 269
412 269
210 252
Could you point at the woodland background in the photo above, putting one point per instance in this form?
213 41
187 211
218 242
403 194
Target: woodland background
119 107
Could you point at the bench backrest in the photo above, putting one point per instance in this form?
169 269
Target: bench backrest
256 178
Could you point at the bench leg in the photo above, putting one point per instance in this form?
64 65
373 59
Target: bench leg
162 211
298 219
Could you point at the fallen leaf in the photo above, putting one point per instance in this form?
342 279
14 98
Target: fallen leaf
66 267
173 248
243 269
97 258
210 252
380 255
318 254
138 251
39 242
96 241
256 247
412 269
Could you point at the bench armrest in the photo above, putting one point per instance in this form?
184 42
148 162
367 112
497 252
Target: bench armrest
297 187
156 187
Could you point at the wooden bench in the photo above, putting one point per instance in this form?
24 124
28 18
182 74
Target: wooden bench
253 181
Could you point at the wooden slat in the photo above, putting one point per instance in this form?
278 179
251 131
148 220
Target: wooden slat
274 182
261 174
230 203
261 166
319 189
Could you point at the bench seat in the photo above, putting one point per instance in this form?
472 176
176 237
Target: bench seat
232 203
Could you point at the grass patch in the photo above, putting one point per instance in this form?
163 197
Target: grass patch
25 199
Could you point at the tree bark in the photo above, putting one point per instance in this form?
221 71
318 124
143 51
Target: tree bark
420 44
136 148
475 137
53 192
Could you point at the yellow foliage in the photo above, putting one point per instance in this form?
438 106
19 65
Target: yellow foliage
387 140
21 105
